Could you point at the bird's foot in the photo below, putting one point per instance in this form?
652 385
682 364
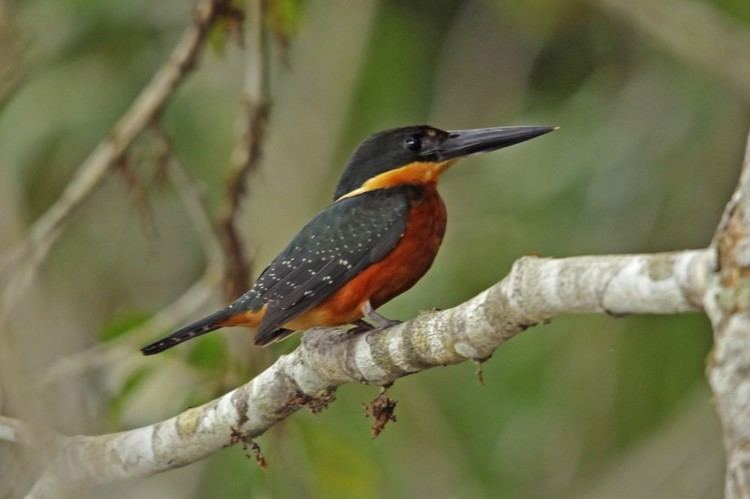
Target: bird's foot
380 321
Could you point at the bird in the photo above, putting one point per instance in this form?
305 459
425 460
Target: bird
376 239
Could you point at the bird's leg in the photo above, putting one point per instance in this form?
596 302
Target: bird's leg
377 319
379 322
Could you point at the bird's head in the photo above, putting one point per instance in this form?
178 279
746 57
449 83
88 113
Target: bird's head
415 154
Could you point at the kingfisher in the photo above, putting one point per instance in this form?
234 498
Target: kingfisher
376 239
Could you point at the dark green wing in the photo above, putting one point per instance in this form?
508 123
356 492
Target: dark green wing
335 246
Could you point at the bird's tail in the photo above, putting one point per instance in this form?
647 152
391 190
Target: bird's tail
197 328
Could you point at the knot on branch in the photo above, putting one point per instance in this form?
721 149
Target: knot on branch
315 404
732 243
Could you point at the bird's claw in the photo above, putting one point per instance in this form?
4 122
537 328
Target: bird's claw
380 321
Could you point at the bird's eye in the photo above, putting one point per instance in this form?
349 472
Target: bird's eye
413 143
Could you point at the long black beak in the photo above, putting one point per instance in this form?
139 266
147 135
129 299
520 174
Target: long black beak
464 142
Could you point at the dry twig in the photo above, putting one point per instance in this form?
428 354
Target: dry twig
21 264
247 152
197 297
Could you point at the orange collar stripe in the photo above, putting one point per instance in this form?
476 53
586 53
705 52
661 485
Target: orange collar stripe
419 172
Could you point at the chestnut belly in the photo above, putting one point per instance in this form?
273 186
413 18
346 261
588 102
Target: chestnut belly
391 276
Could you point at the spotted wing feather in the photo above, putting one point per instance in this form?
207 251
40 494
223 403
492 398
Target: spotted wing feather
339 243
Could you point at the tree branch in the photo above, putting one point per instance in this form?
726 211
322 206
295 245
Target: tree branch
535 291
728 307
197 297
246 154
22 262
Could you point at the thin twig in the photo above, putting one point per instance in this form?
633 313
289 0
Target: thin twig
195 204
247 153
22 263
197 297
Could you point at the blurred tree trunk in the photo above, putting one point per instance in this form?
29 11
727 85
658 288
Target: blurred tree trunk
727 303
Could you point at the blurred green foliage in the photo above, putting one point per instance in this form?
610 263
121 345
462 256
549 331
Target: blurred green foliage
646 157
121 324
